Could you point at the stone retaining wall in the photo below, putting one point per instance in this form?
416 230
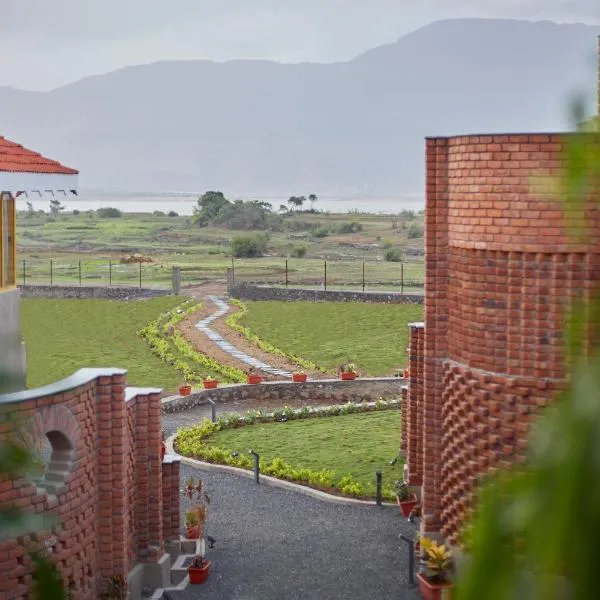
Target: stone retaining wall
324 391
72 291
244 291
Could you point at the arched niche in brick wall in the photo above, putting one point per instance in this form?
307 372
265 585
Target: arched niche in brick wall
54 434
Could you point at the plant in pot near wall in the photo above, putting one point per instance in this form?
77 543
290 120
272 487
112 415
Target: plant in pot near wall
406 499
253 376
199 569
210 383
185 389
299 376
436 578
195 517
348 372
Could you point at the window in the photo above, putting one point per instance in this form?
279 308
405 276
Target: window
7 241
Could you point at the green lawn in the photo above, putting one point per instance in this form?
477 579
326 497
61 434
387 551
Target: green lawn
63 336
373 336
357 444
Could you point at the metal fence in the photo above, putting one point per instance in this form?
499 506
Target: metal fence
301 273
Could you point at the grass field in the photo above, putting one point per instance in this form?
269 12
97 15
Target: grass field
204 252
63 336
373 336
356 444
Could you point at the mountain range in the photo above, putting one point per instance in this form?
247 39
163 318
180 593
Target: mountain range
252 128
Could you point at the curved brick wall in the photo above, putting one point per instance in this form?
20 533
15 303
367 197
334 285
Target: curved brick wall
501 270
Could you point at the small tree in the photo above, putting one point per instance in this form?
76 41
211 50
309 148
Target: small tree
249 246
56 207
312 199
30 210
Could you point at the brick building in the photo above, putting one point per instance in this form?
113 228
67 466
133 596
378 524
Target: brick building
501 273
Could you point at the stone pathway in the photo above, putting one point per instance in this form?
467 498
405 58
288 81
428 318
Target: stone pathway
203 326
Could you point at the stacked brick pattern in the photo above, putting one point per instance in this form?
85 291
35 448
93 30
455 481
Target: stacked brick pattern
501 272
110 506
171 499
412 411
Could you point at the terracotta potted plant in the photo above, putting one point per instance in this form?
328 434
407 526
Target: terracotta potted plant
253 377
435 580
406 373
195 517
192 525
299 376
163 447
185 389
199 569
406 500
210 383
348 372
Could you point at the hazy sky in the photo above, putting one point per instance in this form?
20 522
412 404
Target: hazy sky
47 43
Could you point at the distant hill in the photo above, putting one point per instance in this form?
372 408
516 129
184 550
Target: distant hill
258 127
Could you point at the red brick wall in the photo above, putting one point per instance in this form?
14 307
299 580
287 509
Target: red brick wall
501 271
110 504
412 410
171 498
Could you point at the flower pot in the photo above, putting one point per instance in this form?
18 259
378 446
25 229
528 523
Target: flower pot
210 385
254 379
199 574
192 533
406 373
433 591
406 506
299 377
163 450
348 376
185 390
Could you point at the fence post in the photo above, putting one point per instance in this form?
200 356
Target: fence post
176 281
402 278
79 273
24 271
109 273
286 273
51 273
232 272
140 275
325 272
363 276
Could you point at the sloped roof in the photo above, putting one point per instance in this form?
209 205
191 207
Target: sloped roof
14 158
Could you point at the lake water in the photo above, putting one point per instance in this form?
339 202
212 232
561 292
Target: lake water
184 204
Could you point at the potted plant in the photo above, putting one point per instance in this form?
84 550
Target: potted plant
163 447
348 372
192 525
406 500
253 377
406 373
199 569
185 389
299 376
436 577
210 383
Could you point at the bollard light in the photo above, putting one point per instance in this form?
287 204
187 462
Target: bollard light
256 464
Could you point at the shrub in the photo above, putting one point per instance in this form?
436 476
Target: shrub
299 252
321 232
393 255
75 212
109 213
351 227
415 230
172 213
249 246
158 213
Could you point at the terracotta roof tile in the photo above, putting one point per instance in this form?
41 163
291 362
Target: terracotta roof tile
14 158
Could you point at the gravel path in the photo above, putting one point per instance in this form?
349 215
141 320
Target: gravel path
274 544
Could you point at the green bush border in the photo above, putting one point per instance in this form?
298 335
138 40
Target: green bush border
234 322
190 442
174 349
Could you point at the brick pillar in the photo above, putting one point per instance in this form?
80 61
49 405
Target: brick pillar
171 498
436 317
149 498
404 421
112 501
414 449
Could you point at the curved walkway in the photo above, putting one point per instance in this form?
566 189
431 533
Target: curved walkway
203 326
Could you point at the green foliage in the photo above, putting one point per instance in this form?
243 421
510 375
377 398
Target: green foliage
299 252
158 213
320 232
393 255
172 213
374 336
109 213
308 447
351 227
414 231
176 351
64 335
209 205
249 246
